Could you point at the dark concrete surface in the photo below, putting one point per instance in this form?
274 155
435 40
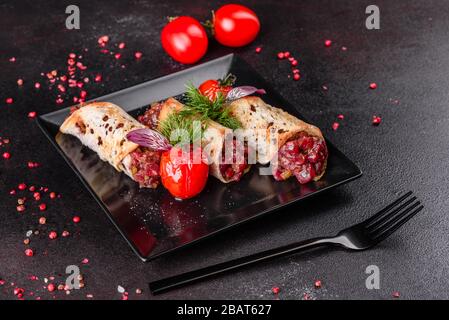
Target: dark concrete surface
408 59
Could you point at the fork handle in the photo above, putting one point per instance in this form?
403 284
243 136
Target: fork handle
182 279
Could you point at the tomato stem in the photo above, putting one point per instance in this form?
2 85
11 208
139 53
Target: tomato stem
228 80
209 24
170 19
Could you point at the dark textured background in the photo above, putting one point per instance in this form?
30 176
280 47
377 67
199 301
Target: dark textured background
407 58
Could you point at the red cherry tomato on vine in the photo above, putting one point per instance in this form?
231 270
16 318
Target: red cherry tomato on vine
235 25
183 174
184 39
211 88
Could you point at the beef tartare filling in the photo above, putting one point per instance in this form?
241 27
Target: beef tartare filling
304 157
151 116
235 170
145 167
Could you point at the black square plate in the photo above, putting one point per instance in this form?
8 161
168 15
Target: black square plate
151 221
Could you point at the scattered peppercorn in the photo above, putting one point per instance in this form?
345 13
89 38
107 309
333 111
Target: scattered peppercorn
52 235
376 120
335 126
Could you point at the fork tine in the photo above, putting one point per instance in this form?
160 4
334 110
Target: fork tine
391 215
391 220
386 210
395 226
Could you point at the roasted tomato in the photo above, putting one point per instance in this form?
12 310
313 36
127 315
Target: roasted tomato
184 174
185 40
211 88
235 25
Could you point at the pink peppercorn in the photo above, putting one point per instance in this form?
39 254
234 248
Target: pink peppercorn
376 120
32 114
335 126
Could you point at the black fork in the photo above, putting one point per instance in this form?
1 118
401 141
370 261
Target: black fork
358 237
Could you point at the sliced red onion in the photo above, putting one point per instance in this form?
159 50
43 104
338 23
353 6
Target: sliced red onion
148 138
243 91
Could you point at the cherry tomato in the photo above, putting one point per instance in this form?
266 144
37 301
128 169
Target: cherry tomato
183 174
211 88
235 25
185 40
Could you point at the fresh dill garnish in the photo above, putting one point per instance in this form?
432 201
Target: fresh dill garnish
197 104
179 129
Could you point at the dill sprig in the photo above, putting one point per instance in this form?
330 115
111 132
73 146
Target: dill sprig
179 129
197 104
